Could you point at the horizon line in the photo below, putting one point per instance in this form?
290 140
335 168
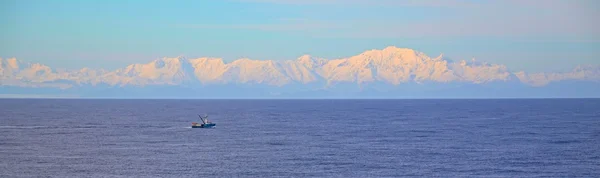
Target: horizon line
447 98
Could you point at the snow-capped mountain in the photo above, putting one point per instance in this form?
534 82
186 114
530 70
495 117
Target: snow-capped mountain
581 73
392 66
165 71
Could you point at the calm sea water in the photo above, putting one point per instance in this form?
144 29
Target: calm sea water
300 138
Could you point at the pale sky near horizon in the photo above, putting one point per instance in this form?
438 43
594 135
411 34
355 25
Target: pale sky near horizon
528 35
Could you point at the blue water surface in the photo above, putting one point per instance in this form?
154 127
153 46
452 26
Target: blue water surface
300 138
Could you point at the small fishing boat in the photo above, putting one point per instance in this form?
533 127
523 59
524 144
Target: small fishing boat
205 123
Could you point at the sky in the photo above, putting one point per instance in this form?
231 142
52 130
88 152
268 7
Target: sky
530 35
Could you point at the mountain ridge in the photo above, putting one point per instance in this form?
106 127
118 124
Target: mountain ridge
391 66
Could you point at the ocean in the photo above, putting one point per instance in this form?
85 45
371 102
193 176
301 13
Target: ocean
300 138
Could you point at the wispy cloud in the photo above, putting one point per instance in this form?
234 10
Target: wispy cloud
433 3
510 18
281 25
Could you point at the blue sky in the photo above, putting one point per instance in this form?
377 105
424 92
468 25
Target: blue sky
526 35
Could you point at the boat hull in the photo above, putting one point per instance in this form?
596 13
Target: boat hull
204 126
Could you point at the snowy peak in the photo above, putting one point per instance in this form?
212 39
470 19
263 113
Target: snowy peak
25 70
11 63
397 55
207 60
306 60
479 72
311 62
208 70
169 63
592 69
582 72
389 53
391 65
169 71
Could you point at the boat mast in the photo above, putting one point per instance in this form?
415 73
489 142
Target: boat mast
202 119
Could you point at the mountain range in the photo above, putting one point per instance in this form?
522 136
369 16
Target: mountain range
391 72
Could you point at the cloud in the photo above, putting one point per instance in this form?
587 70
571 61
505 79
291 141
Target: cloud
281 25
573 20
422 3
261 27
